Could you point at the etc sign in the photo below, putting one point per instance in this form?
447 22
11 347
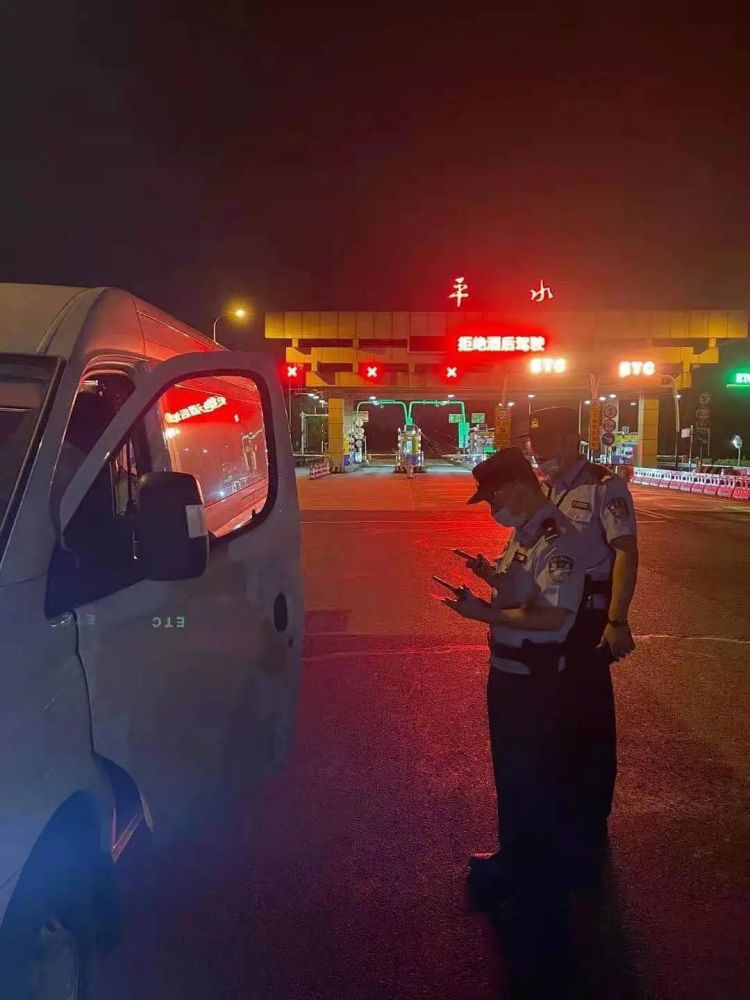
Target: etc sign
637 368
500 345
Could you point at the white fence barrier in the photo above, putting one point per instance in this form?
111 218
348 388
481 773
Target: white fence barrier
316 470
708 484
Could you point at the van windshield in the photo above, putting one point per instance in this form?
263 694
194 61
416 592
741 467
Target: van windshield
24 386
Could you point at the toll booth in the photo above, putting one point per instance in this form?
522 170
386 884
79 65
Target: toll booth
481 443
409 449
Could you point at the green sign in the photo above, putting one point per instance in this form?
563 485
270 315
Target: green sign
739 379
478 418
454 418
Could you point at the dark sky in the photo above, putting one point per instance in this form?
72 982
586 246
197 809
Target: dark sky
321 159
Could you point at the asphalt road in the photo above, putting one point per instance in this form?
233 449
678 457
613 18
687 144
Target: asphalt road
345 877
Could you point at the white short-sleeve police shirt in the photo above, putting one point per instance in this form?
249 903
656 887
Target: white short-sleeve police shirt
599 507
550 573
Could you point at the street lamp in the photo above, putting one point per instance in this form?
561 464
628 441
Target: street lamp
239 312
676 396
737 443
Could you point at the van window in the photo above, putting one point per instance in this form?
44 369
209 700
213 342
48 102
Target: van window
214 429
98 557
24 386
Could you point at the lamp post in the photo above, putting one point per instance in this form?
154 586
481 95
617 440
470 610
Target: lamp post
238 313
676 397
581 404
737 443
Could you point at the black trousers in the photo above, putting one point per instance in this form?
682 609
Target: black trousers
525 720
591 725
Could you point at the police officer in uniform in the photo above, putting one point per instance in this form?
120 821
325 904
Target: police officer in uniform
599 505
537 591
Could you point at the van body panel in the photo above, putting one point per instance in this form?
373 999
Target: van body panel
30 314
45 730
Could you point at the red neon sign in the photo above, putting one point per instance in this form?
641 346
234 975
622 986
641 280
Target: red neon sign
209 404
497 344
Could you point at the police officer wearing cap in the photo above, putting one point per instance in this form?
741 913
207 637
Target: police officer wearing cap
537 591
599 505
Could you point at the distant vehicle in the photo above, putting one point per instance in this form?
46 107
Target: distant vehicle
150 602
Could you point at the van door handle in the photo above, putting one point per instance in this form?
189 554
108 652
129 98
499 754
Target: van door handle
280 613
60 620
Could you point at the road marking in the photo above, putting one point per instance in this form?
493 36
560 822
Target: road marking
653 515
694 638
344 654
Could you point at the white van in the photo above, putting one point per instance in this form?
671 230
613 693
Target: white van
150 601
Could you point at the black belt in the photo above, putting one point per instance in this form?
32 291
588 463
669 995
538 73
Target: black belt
592 587
539 657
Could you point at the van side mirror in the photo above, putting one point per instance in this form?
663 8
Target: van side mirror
170 527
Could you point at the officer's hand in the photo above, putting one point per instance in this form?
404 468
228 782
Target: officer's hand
619 640
467 605
481 567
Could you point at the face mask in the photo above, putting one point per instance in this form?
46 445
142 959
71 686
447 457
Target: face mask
508 519
549 466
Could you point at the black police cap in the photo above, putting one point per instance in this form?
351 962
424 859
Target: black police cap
552 420
506 466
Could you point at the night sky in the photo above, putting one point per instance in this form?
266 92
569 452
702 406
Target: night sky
317 159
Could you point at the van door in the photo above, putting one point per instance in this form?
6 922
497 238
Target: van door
193 683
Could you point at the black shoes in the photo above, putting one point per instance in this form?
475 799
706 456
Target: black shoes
492 867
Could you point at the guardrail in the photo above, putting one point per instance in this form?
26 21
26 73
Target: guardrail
316 470
736 487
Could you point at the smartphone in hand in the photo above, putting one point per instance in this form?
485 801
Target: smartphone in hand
458 591
464 555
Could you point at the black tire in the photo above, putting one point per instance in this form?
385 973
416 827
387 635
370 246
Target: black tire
54 909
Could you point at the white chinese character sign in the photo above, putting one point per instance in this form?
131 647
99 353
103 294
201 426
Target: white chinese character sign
539 294
468 344
460 291
210 404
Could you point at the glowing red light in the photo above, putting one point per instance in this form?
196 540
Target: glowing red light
372 371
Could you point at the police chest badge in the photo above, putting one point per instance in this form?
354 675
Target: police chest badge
618 508
560 568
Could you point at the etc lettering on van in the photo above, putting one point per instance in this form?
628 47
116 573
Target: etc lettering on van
196 409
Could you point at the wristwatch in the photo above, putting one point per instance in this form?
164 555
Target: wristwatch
616 623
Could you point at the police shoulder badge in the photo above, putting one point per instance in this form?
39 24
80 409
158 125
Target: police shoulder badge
618 508
560 567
